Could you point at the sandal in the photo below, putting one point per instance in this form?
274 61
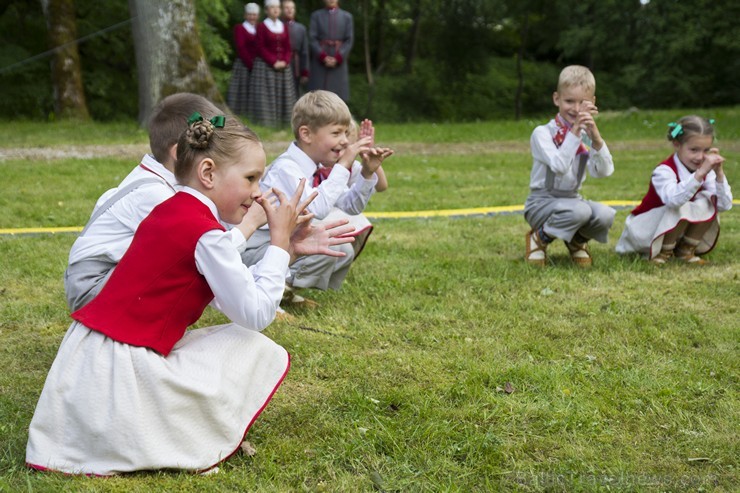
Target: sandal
686 253
662 258
579 254
536 250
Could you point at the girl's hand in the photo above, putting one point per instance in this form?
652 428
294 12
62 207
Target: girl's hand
286 215
367 130
710 161
716 162
315 239
373 158
254 219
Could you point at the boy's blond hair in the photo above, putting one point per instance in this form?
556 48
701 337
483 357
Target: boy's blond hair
577 75
169 119
318 109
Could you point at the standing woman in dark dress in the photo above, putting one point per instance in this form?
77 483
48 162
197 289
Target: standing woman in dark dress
245 42
271 88
331 34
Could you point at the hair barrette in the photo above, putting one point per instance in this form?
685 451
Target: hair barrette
677 129
711 121
217 121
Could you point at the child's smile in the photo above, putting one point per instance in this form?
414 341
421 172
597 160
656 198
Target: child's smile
237 185
693 151
328 143
571 100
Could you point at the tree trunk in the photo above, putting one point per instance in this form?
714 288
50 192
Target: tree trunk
368 60
66 72
169 55
519 71
379 30
414 37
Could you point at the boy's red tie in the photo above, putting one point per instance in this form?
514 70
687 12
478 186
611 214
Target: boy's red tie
563 129
320 175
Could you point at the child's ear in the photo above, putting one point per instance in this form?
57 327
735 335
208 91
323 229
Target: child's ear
205 171
173 153
304 134
556 98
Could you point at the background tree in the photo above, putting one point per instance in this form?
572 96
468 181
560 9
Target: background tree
169 54
66 74
427 59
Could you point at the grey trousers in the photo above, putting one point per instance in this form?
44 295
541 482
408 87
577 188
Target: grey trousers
564 217
84 280
314 271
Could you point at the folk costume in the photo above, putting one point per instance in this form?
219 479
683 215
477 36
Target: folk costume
675 195
558 172
112 225
271 92
131 389
245 41
299 55
331 33
341 189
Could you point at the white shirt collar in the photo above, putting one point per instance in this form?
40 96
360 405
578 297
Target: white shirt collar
154 165
296 154
249 27
683 171
276 26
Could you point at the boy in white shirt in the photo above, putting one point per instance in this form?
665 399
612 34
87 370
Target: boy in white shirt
562 151
320 122
120 210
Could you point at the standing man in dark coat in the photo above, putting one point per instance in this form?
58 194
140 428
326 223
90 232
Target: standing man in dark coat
299 45
331 34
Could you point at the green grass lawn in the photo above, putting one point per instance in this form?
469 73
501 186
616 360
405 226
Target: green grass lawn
445 363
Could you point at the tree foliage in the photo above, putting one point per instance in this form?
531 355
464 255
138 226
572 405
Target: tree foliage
451 60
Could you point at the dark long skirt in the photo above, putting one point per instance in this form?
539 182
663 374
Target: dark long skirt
271 95
238 93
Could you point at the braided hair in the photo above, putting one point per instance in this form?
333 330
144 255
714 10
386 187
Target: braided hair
202 139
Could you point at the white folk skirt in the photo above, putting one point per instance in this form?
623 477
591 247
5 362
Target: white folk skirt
109 407
644 233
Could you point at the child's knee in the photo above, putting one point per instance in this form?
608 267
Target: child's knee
580 213
349 254
604 217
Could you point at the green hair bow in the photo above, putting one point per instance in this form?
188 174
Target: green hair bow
217 121
676 129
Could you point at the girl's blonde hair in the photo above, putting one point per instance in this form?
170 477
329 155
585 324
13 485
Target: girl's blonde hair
688 126
209 139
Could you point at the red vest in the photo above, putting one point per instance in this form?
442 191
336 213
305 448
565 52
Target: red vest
156 291
651 200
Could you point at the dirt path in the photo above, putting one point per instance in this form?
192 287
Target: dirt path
135 151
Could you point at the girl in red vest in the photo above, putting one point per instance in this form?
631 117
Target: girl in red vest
678 215
131 389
